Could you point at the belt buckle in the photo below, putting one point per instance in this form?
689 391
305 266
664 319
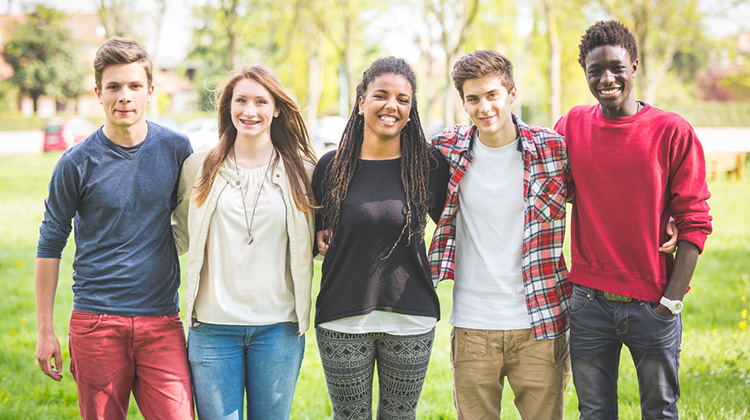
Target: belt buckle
614 297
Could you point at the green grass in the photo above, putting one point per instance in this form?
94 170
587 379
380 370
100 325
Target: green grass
715 363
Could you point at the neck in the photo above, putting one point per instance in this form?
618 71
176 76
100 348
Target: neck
506 136
629 108
126 136
374 148
252 153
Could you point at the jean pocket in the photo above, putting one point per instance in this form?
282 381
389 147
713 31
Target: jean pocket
579 299
471 344
82 323
650 310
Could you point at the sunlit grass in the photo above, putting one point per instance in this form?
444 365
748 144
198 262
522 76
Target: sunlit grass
715 361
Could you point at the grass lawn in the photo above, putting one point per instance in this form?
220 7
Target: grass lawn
715 362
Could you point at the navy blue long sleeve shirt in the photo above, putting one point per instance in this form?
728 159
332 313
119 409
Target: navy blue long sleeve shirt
120 203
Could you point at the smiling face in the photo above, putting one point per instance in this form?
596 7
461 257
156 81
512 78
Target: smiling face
385 107
488 102
610 74
125 94
253 109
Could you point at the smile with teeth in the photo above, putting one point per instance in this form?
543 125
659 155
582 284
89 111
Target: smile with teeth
249 122
388 119
610 91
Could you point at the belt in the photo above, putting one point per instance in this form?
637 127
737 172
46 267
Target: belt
614 297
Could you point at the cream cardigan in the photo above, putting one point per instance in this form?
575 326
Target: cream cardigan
190 229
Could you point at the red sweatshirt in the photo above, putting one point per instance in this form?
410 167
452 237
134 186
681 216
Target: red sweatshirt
631 175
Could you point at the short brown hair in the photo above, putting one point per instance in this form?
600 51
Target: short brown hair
120 51
481 63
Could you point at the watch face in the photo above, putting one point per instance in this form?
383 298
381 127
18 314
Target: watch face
678 306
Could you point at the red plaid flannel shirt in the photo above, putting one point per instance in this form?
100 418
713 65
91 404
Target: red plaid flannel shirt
547 184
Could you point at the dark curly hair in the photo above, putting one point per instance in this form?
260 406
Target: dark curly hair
416 158
609 32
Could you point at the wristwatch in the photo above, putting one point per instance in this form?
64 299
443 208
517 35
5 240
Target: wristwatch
674 306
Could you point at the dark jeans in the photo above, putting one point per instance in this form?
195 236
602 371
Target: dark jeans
598 329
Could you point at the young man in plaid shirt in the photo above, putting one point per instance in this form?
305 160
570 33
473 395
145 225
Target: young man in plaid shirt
502 230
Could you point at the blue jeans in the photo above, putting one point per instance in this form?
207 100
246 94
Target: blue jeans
228 361
598 329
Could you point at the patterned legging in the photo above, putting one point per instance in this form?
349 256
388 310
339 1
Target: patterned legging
348 362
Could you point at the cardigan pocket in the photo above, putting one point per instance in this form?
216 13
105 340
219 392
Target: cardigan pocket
547 199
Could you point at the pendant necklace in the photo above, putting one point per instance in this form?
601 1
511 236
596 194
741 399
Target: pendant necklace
249 225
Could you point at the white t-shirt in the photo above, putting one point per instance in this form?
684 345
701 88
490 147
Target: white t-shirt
243 284
488 292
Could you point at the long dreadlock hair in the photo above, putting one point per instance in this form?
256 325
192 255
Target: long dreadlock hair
416 158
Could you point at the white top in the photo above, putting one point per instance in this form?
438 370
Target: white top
243 284
383 322
488 292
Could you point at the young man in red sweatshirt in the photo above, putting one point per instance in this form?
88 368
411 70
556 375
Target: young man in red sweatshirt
634 166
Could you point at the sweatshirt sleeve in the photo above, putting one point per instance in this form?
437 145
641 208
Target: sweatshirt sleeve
689 192
59 209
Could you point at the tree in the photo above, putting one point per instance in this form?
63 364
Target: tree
452 19
44 57
116 16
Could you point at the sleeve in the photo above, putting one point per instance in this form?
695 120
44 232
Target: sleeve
570 187
689 193
439 177
180 215
321 169
59 209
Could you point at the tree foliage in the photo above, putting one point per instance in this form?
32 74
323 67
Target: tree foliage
44 57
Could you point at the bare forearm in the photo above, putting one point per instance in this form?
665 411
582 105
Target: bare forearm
682 271
45 285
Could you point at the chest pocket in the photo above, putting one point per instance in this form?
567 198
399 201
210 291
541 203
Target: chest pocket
546 200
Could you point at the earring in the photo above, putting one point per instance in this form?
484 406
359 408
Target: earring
408 119
361 113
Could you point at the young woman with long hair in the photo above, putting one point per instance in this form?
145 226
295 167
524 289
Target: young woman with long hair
377 304
246 215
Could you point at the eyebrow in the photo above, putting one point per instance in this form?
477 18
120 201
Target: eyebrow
386 92
482 94
239 95
112 82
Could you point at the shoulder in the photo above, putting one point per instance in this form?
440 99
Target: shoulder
169 137
542 139
325 160
193 163
452 138
77 155
576 113
667 118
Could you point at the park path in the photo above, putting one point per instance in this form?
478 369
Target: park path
21 142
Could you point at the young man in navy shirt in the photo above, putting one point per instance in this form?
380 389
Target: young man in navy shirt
118 186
